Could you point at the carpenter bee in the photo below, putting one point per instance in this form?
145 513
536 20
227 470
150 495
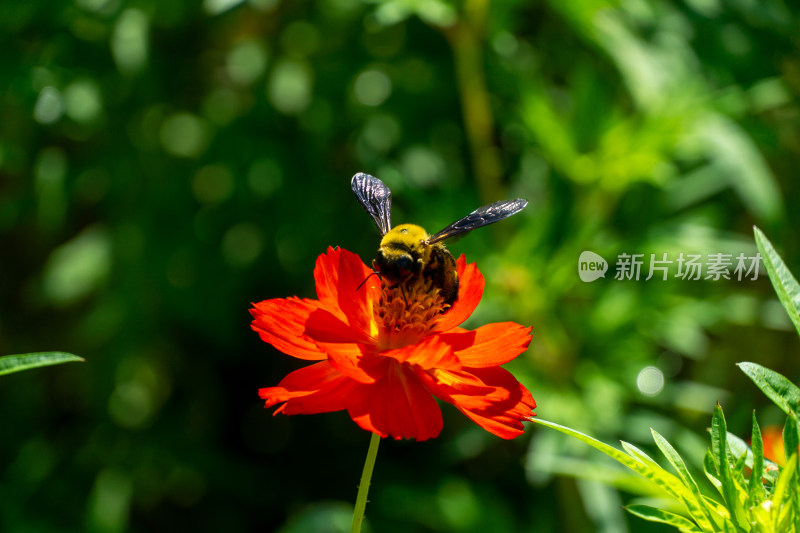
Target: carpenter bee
407 250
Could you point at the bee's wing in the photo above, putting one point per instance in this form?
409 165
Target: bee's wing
375 198
483 216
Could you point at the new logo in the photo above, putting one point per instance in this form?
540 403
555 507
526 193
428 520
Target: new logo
591 266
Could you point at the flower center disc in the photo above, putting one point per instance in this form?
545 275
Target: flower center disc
406 311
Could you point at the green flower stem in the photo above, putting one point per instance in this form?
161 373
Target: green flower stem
363 487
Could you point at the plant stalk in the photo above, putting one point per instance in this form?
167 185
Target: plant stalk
363 487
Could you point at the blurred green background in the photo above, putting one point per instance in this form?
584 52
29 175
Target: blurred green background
164 164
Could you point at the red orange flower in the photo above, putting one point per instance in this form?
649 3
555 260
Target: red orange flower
384 353
772 438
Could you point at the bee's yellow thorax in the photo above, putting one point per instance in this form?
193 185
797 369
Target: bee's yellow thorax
409 238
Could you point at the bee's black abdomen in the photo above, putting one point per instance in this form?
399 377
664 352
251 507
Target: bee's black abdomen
442 270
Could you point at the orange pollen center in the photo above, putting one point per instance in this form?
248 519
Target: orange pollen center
406 311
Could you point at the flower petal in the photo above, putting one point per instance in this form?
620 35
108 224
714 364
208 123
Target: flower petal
504 426
356 361
489 345
346 287
318 388
500 410
429 353
397 406
324 326
470 291
282 323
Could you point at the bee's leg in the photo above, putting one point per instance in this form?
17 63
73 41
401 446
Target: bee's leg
374 273
403 292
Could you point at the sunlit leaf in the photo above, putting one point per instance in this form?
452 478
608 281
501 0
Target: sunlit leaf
791 441
636 453
719 447
17 363
710 469
781 494
664 517
677 462
643 466
786 286
755 488
780 390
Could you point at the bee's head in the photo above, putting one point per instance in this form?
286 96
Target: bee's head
402 252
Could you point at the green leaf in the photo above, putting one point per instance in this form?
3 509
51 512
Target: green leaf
643 466
719 448
677 462
780 390
755 489
785 284
739 448
17 363
781 495
710 468
790 439
790 444
664 517
636 453
647 470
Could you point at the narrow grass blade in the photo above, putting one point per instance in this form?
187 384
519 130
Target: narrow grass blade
17 363
786 286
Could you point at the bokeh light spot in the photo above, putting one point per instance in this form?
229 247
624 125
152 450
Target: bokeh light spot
459 504
78 267
215 7
185 135
372 87
247 61
423 166
142 387
381 132
242 244
110 500
129 41
82 101
95 5
505 44
650 381
49 106
289 87
131 405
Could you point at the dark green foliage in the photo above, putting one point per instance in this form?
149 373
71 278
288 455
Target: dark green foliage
165 163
